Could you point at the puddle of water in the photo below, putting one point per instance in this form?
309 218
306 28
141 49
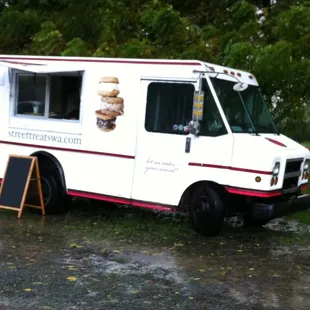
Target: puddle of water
287 226
137 264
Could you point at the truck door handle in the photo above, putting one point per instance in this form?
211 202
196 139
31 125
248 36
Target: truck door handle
188 145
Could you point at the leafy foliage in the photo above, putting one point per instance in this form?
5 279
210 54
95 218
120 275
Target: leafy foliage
272 40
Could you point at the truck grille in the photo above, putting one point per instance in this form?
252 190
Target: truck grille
292 173
293 165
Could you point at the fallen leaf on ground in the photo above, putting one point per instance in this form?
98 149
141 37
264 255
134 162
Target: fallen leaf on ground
74 245
71 278
251 269
27 289
178 244
134 292
190 297
240 251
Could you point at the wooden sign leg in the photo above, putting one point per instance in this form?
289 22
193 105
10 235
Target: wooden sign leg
39 186
26 188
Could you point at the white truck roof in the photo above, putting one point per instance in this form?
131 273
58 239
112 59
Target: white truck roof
74 62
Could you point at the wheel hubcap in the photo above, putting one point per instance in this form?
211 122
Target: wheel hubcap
46 191
201 208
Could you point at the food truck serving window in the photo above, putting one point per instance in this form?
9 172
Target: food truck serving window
45 91
55 95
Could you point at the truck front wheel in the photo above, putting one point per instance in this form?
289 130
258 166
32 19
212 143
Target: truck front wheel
207 211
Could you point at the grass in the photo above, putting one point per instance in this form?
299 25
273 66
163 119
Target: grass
302 216
129 224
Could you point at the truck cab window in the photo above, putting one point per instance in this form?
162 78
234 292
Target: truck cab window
212 123
55 96
169 107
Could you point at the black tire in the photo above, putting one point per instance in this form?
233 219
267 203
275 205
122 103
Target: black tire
56 201
207 211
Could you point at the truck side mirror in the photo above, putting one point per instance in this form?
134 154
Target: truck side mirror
194 127
240 86
198 105
197 115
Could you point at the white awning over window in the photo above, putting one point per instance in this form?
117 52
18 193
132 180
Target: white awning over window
38 68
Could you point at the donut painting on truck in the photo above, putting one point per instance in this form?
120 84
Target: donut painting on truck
111 105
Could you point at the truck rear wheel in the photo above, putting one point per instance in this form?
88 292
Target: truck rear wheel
56 201
207 211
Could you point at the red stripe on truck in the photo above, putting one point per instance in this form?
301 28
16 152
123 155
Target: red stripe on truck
229 168
68 150
120 200
253 193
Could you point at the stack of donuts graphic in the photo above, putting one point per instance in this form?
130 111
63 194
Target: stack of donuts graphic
111 106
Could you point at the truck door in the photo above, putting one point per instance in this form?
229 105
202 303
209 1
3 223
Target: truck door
166 153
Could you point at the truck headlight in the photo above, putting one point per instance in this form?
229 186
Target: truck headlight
306 165
276 169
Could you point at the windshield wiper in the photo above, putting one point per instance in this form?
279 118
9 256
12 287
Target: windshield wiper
260 127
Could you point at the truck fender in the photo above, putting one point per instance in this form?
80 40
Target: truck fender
189 191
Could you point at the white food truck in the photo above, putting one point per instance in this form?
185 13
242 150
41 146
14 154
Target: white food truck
170 135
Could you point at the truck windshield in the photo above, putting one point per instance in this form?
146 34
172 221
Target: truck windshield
246 111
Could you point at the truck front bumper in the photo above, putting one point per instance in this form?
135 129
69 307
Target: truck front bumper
264 211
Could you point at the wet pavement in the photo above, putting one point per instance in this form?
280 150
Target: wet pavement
112 258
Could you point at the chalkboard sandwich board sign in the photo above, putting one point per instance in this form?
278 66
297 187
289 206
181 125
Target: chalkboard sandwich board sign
20 171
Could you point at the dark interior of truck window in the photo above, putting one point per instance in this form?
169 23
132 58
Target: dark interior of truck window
60 94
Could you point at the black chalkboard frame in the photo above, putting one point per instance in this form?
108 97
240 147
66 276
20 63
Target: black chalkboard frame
33 175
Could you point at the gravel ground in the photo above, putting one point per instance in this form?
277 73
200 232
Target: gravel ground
90 259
